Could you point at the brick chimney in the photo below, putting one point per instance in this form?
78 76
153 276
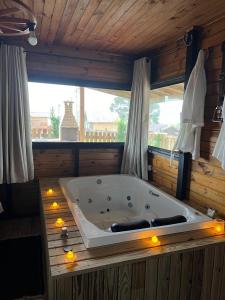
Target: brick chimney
69 129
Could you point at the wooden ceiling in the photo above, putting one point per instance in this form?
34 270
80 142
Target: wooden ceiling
125 26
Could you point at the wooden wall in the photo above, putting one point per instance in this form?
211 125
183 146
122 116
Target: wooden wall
68 162
53 162
79 67
207 185
169 61
99 162
163 174
196 274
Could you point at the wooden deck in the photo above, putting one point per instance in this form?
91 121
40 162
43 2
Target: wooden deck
92 259
184 266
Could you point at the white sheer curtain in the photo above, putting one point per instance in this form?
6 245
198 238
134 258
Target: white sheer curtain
192 116
16 158
135 149
219 150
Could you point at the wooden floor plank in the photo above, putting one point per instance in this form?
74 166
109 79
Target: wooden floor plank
151 278
217 272
175 272
197 274
124 282
186 275
209 254
138 281
164 266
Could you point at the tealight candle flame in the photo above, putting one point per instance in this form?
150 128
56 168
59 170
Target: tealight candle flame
219 228
54 205
59 222
155 239
49 191
71 256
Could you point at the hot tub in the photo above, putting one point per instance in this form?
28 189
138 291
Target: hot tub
97 202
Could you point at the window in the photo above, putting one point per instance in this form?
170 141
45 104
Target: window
70 113
165 109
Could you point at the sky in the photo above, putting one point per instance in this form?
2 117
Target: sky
174 107
97 104
44 96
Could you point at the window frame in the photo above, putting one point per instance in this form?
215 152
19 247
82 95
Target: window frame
160 84
78 83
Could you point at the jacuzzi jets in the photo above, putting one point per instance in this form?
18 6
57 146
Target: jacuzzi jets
97 202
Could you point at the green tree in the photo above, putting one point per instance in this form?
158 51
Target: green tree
120 106
154 113
54 123
121 130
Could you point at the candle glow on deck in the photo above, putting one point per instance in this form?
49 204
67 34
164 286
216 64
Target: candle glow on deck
54 205
59 222
70 255
50 191
155 239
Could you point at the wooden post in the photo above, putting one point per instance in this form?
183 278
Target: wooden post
82 131
184 168
192 44
183 177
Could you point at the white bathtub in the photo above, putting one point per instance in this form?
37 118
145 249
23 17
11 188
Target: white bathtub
98 201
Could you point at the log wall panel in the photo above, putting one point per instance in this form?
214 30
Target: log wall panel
168 62
207 186
163 174
61 162
79 66
99 162
53 163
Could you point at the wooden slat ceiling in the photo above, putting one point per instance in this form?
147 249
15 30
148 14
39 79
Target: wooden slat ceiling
126 26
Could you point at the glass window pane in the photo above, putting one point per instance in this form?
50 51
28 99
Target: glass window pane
70 113
164 121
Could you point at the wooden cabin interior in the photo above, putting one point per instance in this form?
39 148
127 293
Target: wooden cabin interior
93 44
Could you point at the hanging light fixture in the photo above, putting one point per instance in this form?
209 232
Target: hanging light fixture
218 114
17 19
32 39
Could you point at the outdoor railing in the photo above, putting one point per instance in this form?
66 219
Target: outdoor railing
94 136
38 133
161 140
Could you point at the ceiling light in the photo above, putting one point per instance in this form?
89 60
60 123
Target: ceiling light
32 39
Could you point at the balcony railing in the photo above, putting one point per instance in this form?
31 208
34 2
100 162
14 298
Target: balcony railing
94 136
162 140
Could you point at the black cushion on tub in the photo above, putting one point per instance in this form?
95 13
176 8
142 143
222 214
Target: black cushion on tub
117 227
168 221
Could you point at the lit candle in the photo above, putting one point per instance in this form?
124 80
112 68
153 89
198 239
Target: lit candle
59 222
49 192
155 239
71 257
219 227
54 205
